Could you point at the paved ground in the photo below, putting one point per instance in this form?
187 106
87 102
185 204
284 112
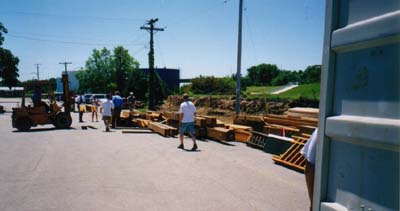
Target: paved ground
75 169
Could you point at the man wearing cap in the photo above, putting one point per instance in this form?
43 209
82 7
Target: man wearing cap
187 115
131 100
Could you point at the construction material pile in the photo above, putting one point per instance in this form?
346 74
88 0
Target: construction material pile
281 135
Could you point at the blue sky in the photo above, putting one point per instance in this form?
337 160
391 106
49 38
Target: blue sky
200 36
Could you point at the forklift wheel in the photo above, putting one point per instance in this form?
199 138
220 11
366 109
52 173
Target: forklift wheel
63 121
23 124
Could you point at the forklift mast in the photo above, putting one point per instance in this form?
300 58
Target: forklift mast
67 97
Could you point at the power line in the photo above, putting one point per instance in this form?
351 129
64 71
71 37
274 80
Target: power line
68 42
121 20
251 35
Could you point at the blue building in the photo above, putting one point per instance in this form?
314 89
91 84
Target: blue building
73 82
171 77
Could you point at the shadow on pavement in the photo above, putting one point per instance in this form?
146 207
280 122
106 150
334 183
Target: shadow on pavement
41 130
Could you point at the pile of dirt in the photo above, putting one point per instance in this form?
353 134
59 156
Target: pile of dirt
208 105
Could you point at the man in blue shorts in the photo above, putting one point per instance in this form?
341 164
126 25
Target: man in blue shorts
187 115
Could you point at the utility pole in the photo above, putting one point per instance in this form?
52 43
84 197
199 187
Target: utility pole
37 70
65 64
239 59
150 28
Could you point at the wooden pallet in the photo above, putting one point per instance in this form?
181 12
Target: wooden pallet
162 129
280 130
258 140
221 134
292 157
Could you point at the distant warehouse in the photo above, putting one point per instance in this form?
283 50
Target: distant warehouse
171 77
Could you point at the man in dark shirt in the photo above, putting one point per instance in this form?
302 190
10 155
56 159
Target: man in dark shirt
131 100
117 100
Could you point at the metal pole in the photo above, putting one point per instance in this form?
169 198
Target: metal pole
239 58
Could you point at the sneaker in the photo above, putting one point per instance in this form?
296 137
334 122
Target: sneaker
194 147
107 129
180 146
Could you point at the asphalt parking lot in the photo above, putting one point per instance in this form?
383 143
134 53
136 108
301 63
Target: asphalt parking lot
75 169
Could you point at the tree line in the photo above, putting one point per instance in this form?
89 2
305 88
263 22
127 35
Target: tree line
258 75
8 63
106 71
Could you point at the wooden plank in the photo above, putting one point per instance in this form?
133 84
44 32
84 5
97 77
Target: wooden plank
287 122
238 127
158 129
162 129
210 120
137 131
125 114
143 122
221 134
173 115
242 135
254 118
200 122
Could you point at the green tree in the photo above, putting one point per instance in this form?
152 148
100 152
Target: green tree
213 85
312 74
98 74
263 74
105 72
124 64
284 77
8 63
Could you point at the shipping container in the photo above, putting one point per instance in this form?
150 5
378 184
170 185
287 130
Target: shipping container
357 165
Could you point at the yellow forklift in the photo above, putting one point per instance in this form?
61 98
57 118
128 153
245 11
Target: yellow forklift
42 113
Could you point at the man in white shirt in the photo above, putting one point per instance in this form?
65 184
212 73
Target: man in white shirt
309 151
107 107
187 115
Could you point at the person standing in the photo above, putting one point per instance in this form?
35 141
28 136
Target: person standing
187 115
309 151
106 111
131 100
80 102
95 106
117 100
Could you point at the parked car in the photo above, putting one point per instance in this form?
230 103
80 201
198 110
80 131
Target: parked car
87 98
100 97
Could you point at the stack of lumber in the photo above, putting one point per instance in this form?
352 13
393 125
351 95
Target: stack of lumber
303 112
153 116
256 122
171 115
164 130
211 121
242 133
221 134
141 122
292 157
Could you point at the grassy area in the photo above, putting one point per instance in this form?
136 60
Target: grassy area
308 91
260 90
